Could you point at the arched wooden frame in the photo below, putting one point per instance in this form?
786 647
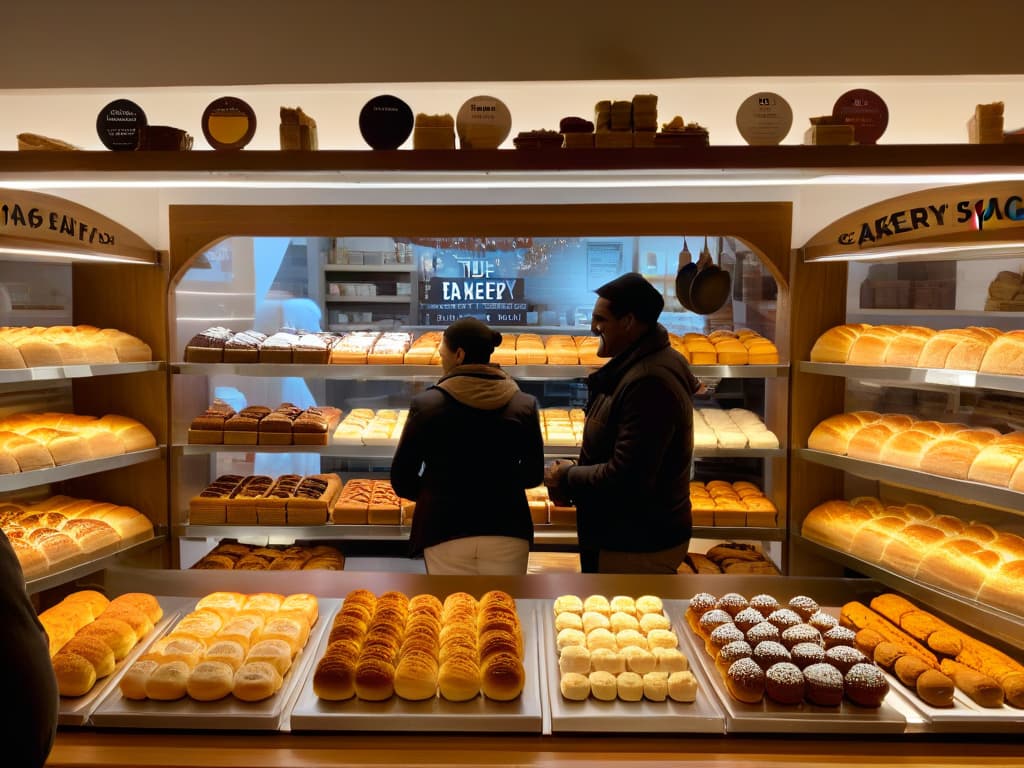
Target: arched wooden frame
764 227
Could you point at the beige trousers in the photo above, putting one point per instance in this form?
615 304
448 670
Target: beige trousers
478 556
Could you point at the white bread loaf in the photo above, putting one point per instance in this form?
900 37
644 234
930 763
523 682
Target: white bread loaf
834 433
1004 586
867 443
1005 355
833 346
10 355
905 349
969 351
953 456
874 536
835 523
871 346
910 545
906 448
961 565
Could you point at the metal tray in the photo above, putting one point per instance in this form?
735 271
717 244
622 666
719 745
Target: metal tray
77 710
769 717
963 717
702 716
523 715
115 711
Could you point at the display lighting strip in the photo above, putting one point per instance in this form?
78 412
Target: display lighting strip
990 250
58 255
605 179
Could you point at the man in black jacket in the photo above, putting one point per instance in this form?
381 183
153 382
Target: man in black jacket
632 483
28 681
471 446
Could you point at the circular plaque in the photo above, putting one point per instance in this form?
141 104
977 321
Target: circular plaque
483 122
229 123
120 124
385 122
764 119
865 111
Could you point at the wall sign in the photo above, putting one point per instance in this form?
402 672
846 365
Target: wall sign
764 119
119 125
604 263
498 301
36 222
972 213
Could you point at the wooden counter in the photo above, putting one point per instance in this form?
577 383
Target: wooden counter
85 747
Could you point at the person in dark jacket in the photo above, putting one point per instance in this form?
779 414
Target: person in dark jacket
27 680
631 485
471 446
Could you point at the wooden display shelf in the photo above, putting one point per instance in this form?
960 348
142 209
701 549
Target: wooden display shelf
913 377
55 372
37 477
848 159
65 575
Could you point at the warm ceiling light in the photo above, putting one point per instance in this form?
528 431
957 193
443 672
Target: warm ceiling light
990 250
49 254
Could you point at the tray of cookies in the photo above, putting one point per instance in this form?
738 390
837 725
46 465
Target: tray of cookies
614 665
392 662
786 666
231 661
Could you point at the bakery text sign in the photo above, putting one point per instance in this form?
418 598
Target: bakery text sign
971 213
21 220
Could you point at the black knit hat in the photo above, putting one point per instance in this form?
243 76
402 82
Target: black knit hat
474 336
632 293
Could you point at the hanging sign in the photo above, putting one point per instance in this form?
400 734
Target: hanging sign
34 224
957 216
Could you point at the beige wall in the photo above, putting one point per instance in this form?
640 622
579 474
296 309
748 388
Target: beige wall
104 43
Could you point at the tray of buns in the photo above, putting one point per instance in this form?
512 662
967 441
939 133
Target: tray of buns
757 709
436 708
674 706
255 702
77 710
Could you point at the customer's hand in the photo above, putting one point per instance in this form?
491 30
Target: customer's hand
554 472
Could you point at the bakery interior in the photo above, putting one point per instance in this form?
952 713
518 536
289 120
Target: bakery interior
269 240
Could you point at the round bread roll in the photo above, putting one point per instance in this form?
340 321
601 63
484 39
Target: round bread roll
416 677
464 646
133 681
593 620
603 686
656 686
256 681
934 687
701 603
662 638
455 600
210 681
601 638
224 604
273 651
574 686
463 631
75 675
745 681
731 653
805 654
574 658
138 620
244 629
865 685
503 677
498 620
748 618
499 641
375 679
607 660
649 604
169 681
623 604
459 679
620 621
670 660
630 686
768 653
293 631
639 660
141 601
784 683
95 651
711 619
426 603
824 685
722 636
496 597
649 621
568 604
764 603
865 641
96 601
334 678
732 603
185 649
305 604
804 606
843 657
630 638
783 618
761 632
348 628
598 603
801 633
117 634
838 636
572 637
566 620
822 621
682 687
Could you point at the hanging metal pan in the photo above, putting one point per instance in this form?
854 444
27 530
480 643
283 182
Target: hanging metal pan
710 288
684 277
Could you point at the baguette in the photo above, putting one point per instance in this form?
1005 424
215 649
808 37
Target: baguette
857 616
983 690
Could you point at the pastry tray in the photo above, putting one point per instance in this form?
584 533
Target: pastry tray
523 715
963 717
704 715
76 710
769 717
116 711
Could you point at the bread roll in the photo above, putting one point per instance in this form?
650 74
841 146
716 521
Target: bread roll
169 681
256 681
574 686
459 678
682 686
210 681
983 690
503 677
133 681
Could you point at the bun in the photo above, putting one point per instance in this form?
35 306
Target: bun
374 679
682 686
210 681
784 683
503 677
865 685
256 681
824 685
745 681
459 679
75 674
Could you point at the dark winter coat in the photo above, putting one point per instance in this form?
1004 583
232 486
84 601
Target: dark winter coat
471 446
30 723
632 483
